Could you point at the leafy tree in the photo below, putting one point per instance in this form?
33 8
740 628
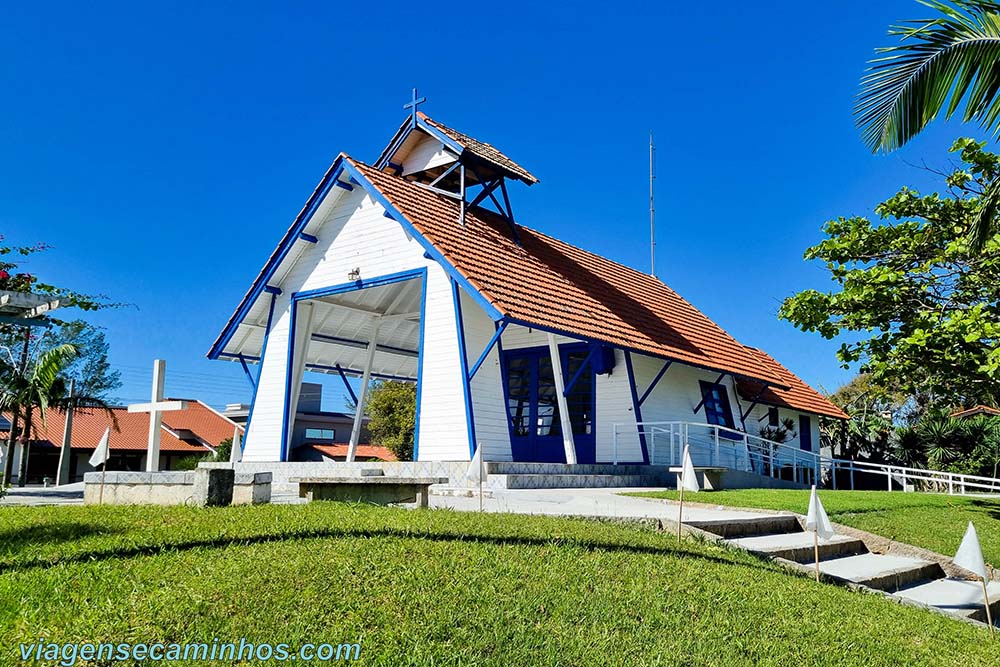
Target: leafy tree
946 60
873 411
391 407
26 386
21 392
922 310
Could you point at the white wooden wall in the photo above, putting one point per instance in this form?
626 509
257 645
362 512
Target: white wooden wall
444 433
356 234
426 153
488 404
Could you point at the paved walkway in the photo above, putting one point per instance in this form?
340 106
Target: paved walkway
602 503
68 494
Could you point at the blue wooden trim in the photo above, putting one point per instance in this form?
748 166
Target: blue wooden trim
350 389
428 247
753 404
398 168
718 380
287 242
636 407
360 344
586 363
489 347
279 255
359 284
656 380
506 390
308 237
466 383
246 370
420 368
340 184
289 412
270 289
260 370
353 372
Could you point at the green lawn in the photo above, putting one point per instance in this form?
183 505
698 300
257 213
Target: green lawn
933 521
440 588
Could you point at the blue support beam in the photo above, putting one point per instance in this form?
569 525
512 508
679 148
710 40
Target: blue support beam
308 237
586 362
489 347
340 184
246 369
350 389
270 289
656 380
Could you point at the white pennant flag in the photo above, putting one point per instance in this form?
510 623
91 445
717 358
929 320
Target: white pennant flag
689 479
817 520
474 473
970 555
102 453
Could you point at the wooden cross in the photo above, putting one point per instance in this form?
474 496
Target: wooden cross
412 106
156 408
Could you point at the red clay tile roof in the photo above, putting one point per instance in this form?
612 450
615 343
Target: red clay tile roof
205 422
799 396
548 283
482 150
363 452
133 429
974 411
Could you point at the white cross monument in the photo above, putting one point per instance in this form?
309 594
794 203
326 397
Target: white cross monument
156 408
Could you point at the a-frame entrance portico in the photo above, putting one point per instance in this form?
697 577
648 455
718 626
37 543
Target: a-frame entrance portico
367 328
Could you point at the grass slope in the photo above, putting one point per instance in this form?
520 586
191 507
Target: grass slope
933 521
440 588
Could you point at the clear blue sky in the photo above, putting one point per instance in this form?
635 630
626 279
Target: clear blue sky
163 148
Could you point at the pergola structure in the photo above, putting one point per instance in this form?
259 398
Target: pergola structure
26 309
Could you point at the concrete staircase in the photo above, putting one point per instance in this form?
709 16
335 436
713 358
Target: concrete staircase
848 559
502 475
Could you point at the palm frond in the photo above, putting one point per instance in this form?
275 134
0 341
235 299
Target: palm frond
938 62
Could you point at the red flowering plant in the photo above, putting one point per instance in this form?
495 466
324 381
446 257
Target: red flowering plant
20 281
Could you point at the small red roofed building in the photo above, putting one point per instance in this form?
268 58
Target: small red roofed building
196 431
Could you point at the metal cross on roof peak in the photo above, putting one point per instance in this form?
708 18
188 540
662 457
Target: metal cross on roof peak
413 104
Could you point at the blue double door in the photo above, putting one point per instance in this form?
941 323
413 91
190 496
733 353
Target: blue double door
533 407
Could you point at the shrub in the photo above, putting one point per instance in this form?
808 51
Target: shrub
392 411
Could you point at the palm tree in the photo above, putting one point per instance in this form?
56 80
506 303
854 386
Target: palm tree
21 391
947 60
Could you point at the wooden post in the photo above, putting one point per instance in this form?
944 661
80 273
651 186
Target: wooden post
680 512
104 469
816 552
989 613
482 472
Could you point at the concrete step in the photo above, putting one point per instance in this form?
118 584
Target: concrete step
955 596
558 481
798 547
510 468
459 491
729 529
881 571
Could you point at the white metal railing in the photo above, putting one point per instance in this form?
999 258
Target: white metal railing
712 445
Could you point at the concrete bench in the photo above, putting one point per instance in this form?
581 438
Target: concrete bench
368 488
709 477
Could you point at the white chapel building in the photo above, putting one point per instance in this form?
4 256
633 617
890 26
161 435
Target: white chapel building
416 268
